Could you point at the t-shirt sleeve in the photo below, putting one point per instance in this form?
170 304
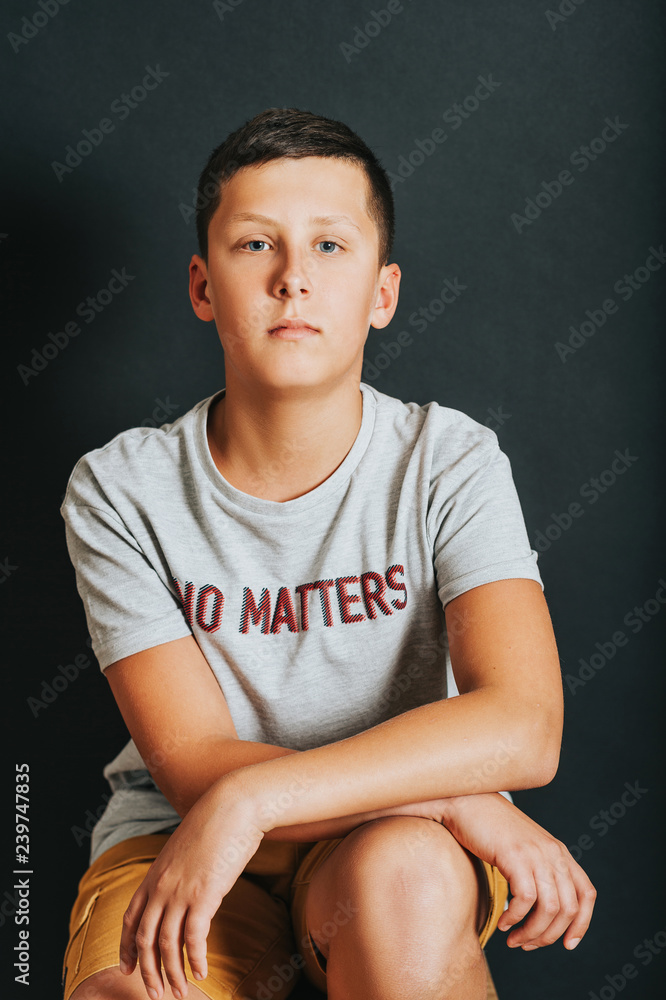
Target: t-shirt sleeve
128 603
475 519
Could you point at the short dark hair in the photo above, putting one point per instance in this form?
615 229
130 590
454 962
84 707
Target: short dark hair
290 132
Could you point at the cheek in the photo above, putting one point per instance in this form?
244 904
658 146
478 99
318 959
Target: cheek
235 313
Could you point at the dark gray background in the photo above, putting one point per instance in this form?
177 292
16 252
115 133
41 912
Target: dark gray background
492 351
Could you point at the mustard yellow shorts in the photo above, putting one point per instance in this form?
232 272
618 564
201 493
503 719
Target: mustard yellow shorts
258 941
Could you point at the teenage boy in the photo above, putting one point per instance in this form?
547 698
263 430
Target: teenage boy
286 588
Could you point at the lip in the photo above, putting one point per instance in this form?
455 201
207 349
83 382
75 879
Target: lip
294 328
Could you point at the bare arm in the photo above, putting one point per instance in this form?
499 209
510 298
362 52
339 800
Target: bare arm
503 731
182 727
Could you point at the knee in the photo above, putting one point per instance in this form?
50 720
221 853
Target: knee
414 893
411 860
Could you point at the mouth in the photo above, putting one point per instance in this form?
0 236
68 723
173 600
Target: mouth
292 329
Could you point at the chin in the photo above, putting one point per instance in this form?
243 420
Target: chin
290 380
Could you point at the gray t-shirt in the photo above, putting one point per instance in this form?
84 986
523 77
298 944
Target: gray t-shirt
320 616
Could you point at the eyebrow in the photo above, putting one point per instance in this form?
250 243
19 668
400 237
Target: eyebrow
317 220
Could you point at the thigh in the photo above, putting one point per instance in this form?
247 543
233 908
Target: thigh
111 984
250 935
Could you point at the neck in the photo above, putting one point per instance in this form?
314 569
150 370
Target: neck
277 444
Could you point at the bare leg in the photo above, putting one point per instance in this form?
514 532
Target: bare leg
111 984
414 893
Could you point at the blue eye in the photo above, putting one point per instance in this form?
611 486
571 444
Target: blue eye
330 243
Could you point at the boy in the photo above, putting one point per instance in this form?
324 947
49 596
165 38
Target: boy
282 588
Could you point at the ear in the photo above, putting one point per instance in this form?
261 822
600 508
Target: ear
386 302
199 288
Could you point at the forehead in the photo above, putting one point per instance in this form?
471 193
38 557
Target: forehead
288 190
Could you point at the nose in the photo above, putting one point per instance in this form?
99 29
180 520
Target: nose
292 279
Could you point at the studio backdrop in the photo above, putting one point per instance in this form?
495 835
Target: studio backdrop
524 144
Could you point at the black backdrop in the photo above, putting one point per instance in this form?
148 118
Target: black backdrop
539 198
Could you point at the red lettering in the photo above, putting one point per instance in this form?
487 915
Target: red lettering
187 601
346 599
284 612
374 596
390 577
250 610
304 589
323 587
202 608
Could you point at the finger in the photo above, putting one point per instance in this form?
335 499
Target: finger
523 890
587 896
197 926
131 919
538 930
170 942
542 914
148 949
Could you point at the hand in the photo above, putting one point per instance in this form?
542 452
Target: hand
176 901
548 887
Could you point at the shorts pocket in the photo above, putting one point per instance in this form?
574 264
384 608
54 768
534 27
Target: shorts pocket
77 939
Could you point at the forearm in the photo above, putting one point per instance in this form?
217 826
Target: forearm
184 785
482 741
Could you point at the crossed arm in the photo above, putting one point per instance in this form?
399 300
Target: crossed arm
432 761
